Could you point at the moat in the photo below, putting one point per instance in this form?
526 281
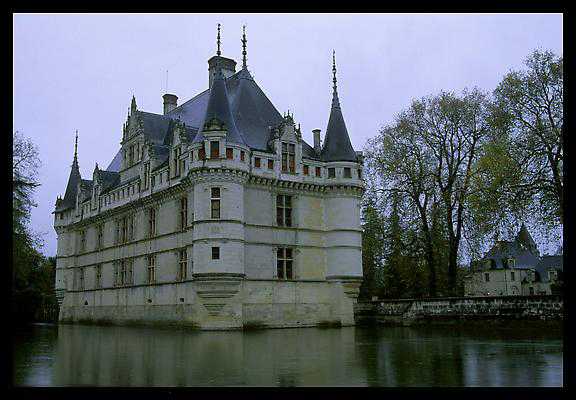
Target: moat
69 355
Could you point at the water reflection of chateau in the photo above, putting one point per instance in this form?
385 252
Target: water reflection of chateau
119 356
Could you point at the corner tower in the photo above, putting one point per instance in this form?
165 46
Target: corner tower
342 204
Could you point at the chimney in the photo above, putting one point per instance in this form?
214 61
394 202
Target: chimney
227 65
170 102
316 133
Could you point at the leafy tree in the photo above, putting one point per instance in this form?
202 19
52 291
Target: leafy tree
531 104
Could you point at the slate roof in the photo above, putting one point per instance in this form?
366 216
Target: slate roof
337 146
248 114
503 250
69 200
549 262
219 109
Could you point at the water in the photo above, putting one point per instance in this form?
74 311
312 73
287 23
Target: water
65 355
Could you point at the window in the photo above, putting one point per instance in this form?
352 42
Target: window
124 230
306 170
288 157
347 172
215 253
151 222
531 290
182 265
511 263
270 164
359 173
214 149
257 162
99 236
183 213
98 280
201 153
123 272
215 203
283 210
487 277
82 240
284 263
241 155
153 180
131 156
512 276
81 278
176 161
146 175
331 172
318 171
229 153
151 269
131 227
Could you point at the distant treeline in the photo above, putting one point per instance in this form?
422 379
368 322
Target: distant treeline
453 172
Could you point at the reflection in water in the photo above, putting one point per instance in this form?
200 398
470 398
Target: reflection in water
48 355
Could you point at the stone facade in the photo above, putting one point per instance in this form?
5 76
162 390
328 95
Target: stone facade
199 226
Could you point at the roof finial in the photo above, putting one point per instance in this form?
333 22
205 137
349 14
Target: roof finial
218 42
335 102
76 148
244 41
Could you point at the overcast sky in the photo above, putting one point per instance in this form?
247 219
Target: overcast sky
79 71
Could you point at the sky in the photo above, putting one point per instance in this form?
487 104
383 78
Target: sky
79 71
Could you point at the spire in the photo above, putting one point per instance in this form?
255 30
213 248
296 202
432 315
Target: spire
335 101
337 146
244 41
76 149
218 42
133 106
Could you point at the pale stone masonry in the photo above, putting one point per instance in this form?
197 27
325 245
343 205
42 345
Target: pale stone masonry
215 215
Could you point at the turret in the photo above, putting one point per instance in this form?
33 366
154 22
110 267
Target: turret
337 146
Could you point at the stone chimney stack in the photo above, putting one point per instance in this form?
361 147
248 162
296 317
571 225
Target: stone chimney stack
227 65
316 133
170 102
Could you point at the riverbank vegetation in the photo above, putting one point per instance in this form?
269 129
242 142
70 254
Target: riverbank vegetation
454 171
33 297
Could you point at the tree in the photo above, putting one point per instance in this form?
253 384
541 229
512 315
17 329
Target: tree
26 260
531 103
403 166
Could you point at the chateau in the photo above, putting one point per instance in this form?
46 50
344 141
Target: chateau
514 268
215 215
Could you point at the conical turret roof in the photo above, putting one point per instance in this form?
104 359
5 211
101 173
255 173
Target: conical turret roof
69 200
337 146
218 110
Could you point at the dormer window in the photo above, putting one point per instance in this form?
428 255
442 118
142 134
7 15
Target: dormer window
176 161
288 157
214 149
257 162
229 153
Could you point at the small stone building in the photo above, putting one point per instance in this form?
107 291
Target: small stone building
515 267
215 214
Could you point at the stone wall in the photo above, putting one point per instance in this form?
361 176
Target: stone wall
204 305
463 309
